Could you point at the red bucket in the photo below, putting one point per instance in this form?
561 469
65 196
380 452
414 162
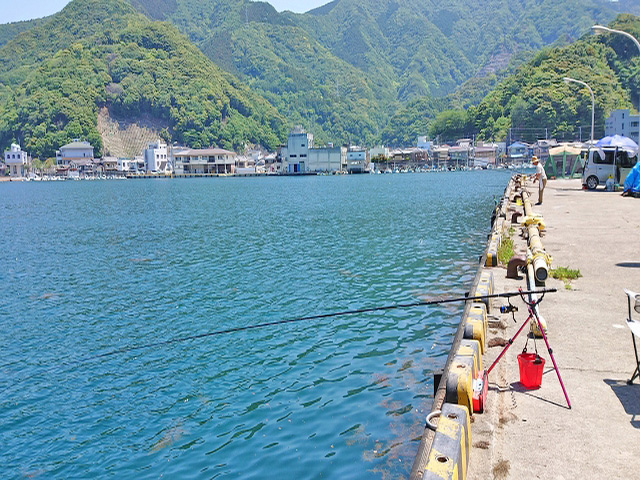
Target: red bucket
531 366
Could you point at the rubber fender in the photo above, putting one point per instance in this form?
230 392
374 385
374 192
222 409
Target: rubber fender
474 330
487 277
481 291
459 386
492 251
485 287
449 454
471 348
478 311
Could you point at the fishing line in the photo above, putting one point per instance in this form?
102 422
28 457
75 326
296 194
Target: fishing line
134 348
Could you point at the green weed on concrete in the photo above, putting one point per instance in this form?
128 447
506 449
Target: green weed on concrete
565 274
505 250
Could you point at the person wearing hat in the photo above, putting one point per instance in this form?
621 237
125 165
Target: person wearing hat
541 177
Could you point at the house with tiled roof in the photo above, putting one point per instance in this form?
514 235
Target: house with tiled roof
75 151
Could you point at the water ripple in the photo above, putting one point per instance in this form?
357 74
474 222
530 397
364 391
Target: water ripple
338 398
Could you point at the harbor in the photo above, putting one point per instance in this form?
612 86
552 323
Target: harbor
343 397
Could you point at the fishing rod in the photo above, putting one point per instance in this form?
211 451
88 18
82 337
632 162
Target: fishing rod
312 317
133 348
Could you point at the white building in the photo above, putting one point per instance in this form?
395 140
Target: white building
156 157
357 160
621 122
327 159
296 153
74 151
17 161
379 152
204 161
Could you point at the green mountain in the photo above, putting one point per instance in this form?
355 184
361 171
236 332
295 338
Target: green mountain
345 69
10 30
282 62
534 102
352 70
103 55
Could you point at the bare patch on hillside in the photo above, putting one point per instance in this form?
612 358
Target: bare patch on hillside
127 138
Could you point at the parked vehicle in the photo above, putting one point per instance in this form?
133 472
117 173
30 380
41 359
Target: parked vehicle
616 163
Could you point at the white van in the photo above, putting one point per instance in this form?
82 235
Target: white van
616 162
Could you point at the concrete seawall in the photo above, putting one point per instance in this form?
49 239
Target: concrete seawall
456 384
532 433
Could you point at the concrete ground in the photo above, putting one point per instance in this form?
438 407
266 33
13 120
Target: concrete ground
532 434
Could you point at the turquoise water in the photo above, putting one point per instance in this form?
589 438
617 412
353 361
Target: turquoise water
91 267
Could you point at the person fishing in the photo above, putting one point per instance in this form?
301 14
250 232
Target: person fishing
541 177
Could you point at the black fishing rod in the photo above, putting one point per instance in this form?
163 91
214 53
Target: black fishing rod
133 348
311 317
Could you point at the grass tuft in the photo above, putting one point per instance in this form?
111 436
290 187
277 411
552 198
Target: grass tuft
565 274
505 249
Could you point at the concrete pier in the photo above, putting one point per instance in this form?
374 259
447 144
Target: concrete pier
528 434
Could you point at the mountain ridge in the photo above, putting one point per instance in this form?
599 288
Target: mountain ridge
59 77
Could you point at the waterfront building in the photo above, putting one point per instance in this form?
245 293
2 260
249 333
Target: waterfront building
379 153
18 161
484 154
424 144
622 122
109 165
407 158
357 160
300 156
327 159
74 151
518 153
271 164
126 165
82 167
204 161
156 157
246 164
441 156
296 153
460 154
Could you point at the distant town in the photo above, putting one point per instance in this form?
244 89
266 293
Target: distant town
300 156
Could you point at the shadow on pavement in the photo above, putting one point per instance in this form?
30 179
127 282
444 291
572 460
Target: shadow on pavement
628 264
518 387
629 396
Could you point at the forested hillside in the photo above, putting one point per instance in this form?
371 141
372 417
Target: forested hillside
359 71
345 69
102 53
534 101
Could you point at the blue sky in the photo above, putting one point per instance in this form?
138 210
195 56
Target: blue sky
14 11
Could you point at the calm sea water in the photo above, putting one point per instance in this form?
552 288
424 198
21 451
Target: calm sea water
88 268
